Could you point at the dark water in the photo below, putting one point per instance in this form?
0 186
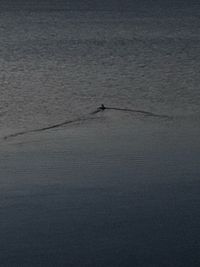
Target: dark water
112 188
102 195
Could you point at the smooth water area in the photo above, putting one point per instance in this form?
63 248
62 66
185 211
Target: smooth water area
102 195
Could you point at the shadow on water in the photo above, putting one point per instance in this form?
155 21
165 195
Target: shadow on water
86 117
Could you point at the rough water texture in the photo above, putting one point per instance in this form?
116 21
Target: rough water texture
59 65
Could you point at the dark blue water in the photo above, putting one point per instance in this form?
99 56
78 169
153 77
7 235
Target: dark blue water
102 195
114 188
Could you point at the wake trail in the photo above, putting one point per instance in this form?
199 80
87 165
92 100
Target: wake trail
44 128
141 112
147 113
86 117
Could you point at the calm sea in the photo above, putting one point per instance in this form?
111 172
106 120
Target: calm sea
119 188
57 65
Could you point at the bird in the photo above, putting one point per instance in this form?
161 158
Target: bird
102 107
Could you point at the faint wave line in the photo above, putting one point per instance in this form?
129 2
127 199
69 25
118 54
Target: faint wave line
147 113
43 129
141 112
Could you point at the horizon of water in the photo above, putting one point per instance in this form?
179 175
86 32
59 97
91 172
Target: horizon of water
59 65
